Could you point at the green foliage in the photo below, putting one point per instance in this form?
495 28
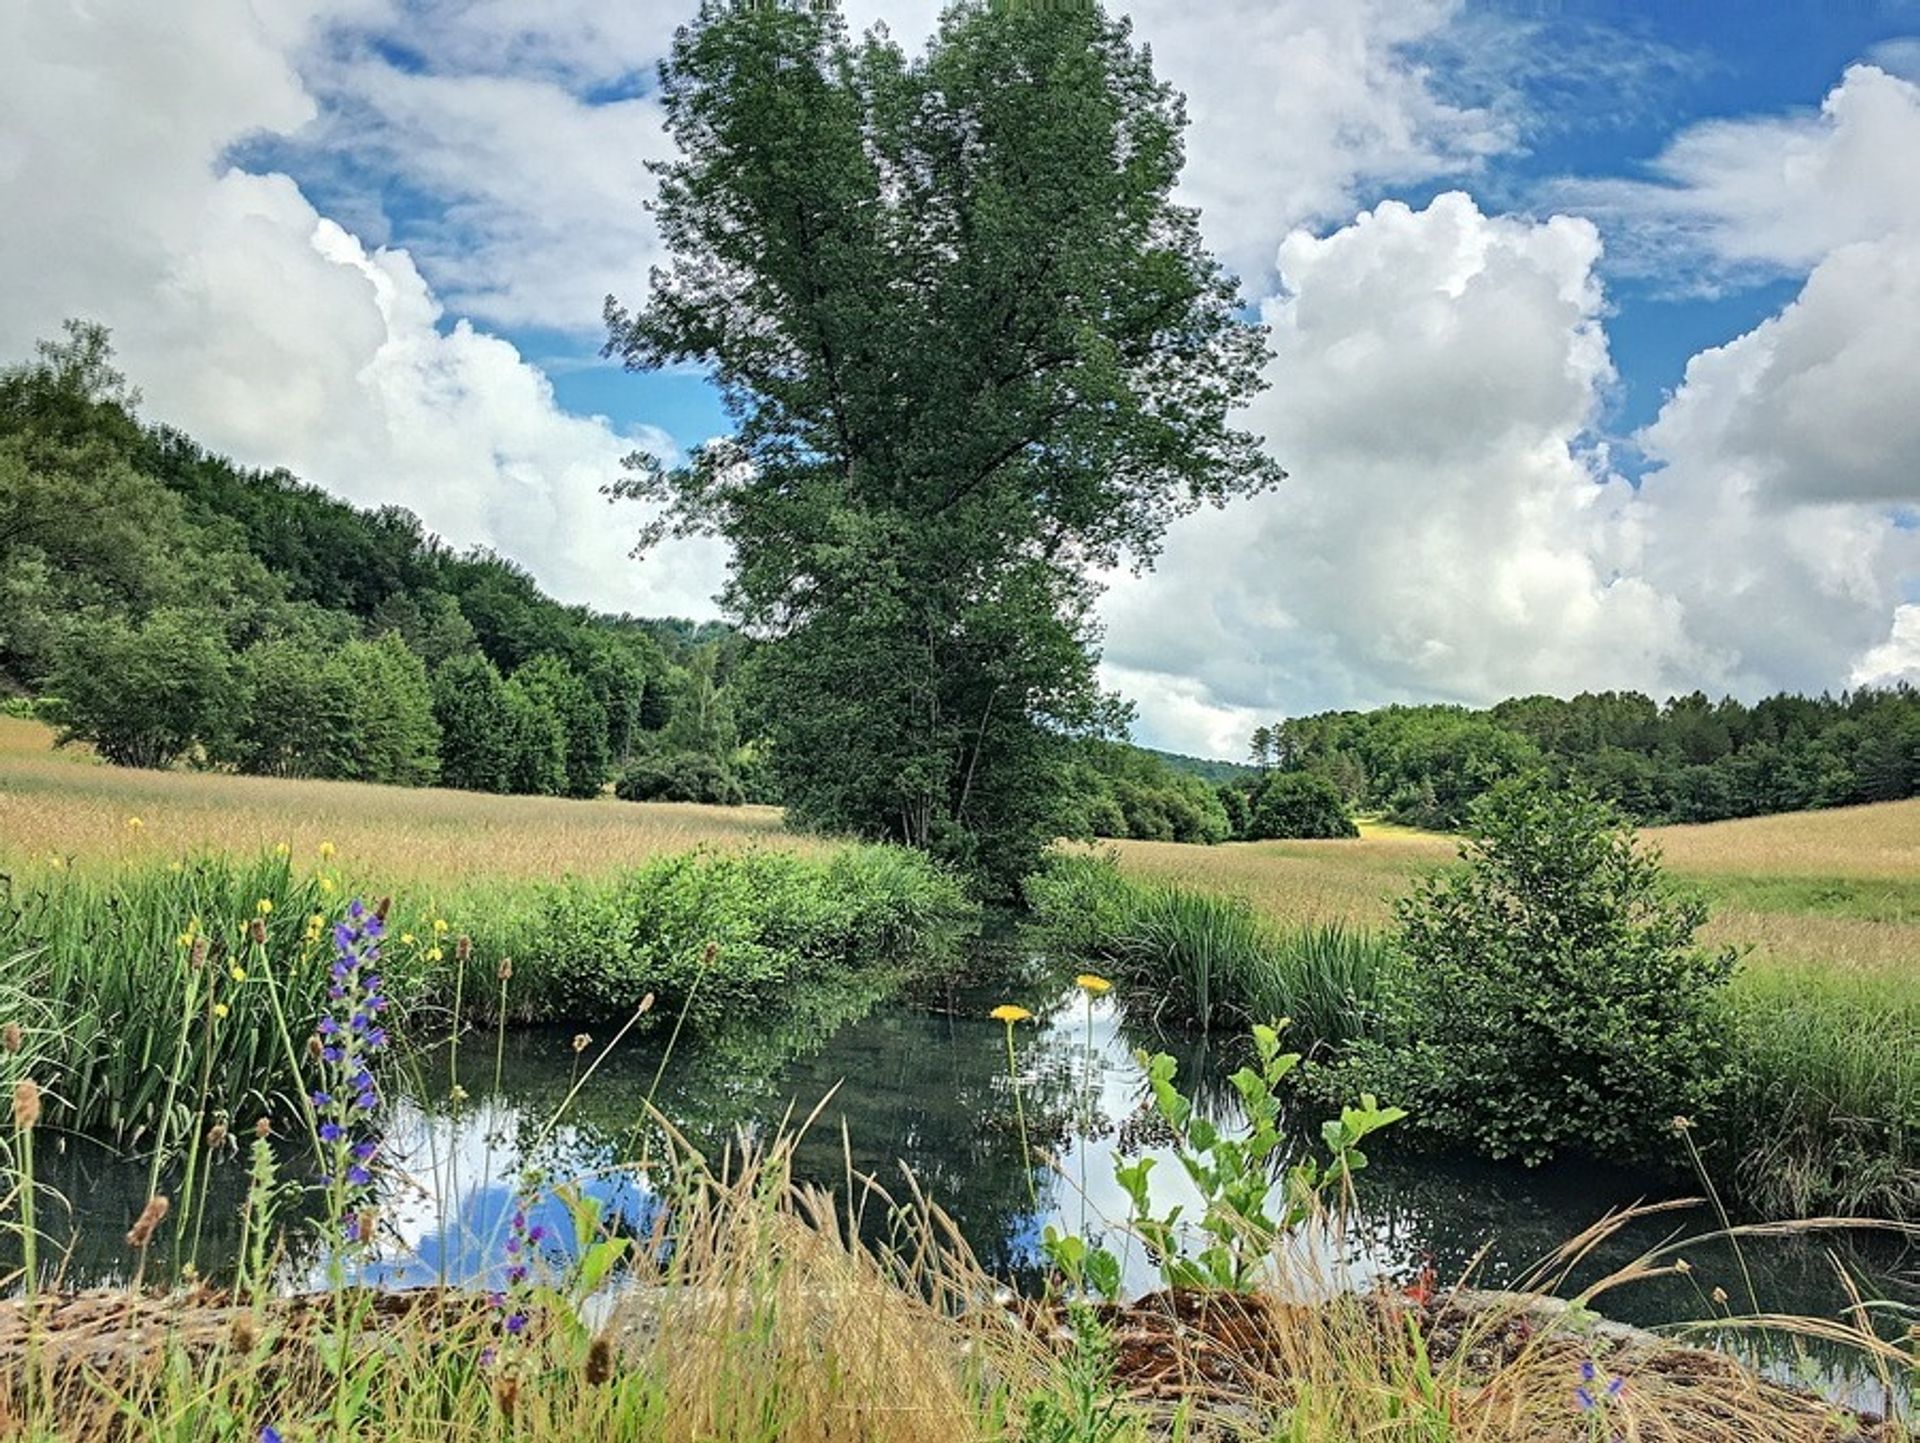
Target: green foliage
535 742
144 694
476 728
1118 790
1297 804
722 936
680 777
106 522
975 351
1554 998
1195 960
1689 760
388 733
1244 1211
554 686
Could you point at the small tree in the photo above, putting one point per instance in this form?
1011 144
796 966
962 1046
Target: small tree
536 742
476 745
389 733
583 722
294 710
1556 998
144 694
1298 804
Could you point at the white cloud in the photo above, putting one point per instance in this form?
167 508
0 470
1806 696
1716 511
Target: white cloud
1446 532
262 327
1773 194
1897 659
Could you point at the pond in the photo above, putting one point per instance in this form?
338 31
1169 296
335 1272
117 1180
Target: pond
923 1090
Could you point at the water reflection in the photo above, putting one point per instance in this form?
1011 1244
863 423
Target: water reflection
909 1090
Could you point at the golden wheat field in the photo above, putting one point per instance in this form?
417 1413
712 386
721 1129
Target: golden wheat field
1838 889
61 804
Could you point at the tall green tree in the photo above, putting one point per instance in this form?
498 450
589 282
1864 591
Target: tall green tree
975 351
390 734
144 694
583 722
476 742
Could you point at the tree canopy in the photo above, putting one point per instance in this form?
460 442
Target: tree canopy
975 352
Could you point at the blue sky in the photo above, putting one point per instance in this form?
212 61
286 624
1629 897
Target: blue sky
1595 325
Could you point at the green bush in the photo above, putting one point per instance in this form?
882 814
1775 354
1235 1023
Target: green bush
680 777
1297 804
144 694
1553 998
723 935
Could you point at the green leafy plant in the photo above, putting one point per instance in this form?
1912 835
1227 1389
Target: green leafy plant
1248 1201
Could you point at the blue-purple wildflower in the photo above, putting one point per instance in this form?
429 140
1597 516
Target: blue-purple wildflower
350 1038
1587 1397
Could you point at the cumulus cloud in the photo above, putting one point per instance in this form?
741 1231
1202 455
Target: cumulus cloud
1772 195
263 327
1447 531
1453 531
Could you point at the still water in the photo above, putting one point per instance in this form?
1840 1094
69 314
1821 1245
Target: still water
924 1090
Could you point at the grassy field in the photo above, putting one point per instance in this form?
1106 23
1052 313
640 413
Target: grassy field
1837 890
61 805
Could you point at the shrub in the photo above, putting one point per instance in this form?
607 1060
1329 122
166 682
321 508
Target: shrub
1553 996
1297 804
725 936
680 777
145 694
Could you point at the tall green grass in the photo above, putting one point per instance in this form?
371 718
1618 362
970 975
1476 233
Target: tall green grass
1824 1115
1206 962
149 995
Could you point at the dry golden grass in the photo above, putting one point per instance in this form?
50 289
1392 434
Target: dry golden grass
1852 848
59 804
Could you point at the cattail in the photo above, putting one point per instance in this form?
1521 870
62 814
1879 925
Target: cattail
646 1005
257 931
382 907
242 1337
506 1393
217 1135
462 949
11 1037
197 954
712 952
148 1223
506 969
26 1104
364 1224
581 1042
315 1046
599 1361
263 1129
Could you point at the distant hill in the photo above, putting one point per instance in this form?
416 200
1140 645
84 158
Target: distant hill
1207 768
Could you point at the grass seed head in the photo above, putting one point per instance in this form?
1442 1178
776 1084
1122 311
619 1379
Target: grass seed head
11 1037
599 1367
26 1104
148 1223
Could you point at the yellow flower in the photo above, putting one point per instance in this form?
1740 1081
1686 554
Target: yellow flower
406 939
239 973
327 849
281 849
440 925
326 884
263 906
134 824
1090 982
175 867
220 1009
1008 1013
433 954
59 864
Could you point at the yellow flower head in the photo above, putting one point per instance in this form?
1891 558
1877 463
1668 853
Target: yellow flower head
326 884
281 849
327 849
239 973
175 867
134 824
263 906
220 1009
1090 982
440 924
59 864
434 954
1008 1013
406 939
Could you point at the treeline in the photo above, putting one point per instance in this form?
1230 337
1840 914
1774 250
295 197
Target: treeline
166 605
1687 760
1131 792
